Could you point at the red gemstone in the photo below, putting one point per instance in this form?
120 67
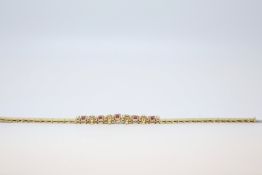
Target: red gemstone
83 117
135 117
100 117
117 116
152 117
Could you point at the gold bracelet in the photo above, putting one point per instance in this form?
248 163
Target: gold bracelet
124 119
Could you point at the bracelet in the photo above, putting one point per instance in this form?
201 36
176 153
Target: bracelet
124 119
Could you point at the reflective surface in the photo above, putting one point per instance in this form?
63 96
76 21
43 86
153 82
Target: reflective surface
132 149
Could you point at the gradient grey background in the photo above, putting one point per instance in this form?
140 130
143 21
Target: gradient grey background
171 58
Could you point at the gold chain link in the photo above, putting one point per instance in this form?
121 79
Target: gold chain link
124 119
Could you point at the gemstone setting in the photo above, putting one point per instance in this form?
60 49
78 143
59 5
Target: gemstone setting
118 119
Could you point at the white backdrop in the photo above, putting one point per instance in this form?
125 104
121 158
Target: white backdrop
168 58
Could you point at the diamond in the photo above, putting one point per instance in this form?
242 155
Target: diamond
143 119
92 119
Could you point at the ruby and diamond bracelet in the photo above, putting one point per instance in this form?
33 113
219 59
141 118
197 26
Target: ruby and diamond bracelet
124 119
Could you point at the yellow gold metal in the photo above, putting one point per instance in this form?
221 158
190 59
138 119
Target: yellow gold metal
124 119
